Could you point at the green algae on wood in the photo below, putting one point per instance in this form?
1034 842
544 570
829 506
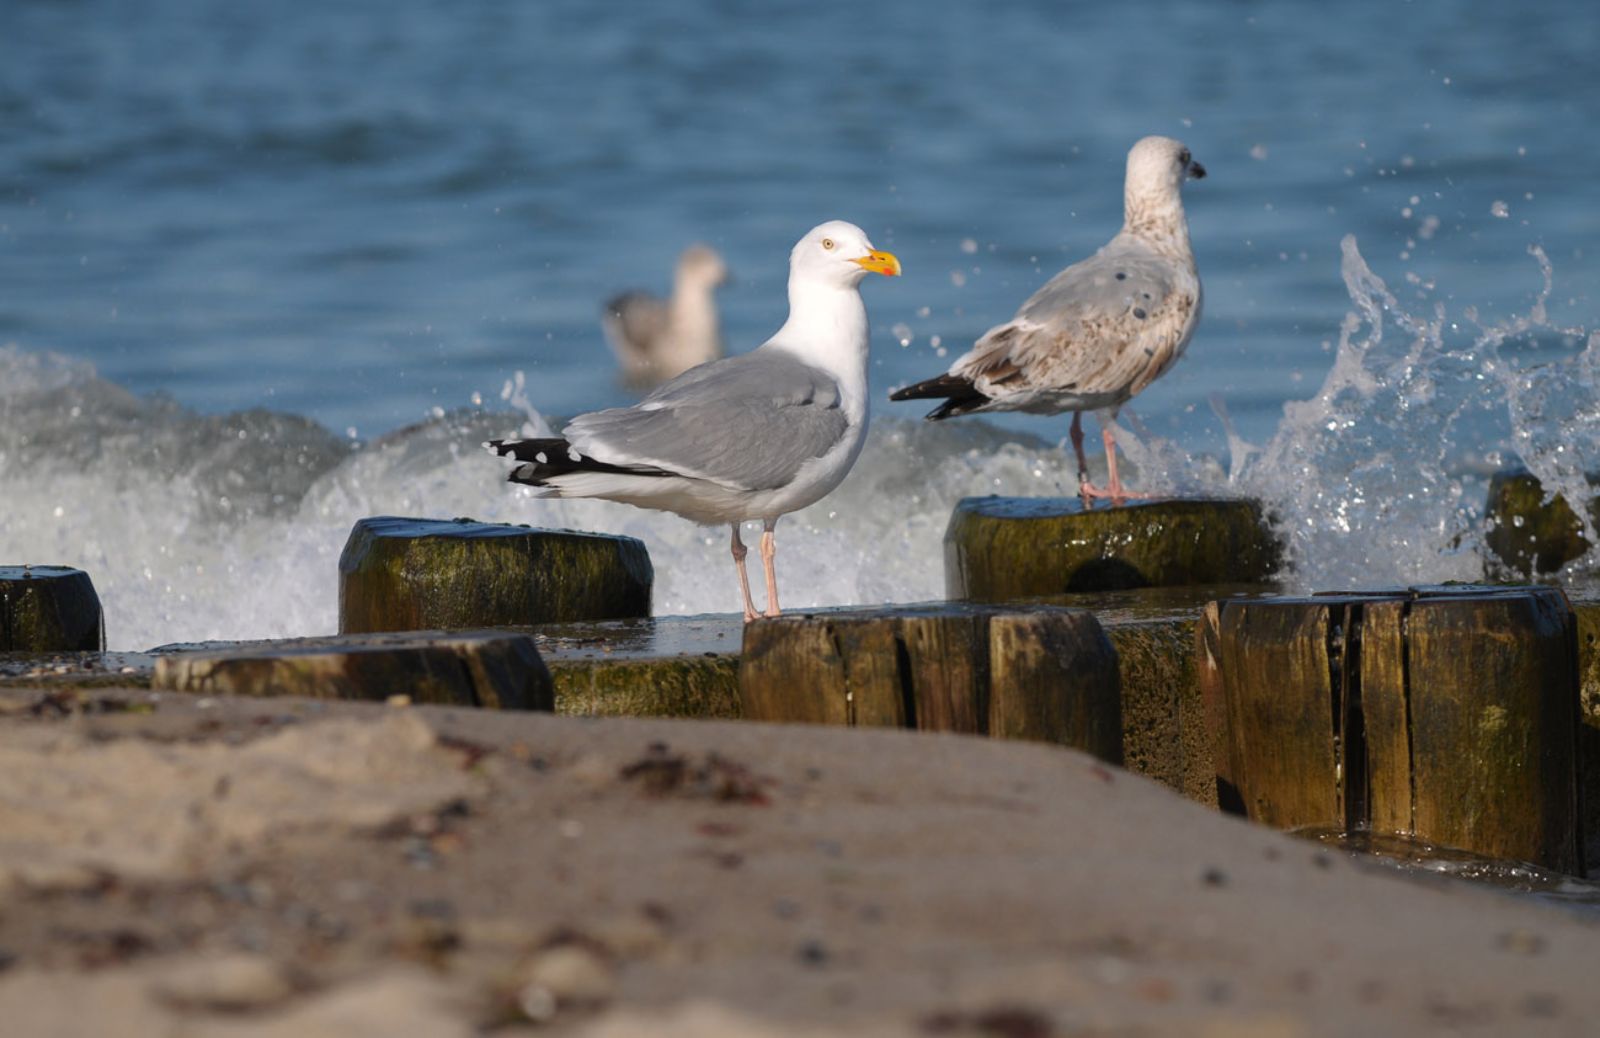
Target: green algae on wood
399 574
49 609
683 686
1446 712
661 666
1493 766
1526 533
1171 707
1003 548
1042 673
1165 637
1164 732
492 669
1587 611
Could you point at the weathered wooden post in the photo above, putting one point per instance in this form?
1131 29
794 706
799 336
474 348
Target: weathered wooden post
1164 736
1002 548
1491 689
1214 705
665 666
49 609
1447 712
1043 673
1587 611
425 574
492 669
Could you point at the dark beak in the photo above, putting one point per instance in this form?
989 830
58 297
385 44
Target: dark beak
1196 171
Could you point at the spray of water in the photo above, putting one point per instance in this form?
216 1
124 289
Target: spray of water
1380 477
202 527
199 527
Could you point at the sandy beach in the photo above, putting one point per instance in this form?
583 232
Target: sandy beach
176 865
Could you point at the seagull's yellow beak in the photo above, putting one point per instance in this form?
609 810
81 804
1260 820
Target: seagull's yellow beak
883 263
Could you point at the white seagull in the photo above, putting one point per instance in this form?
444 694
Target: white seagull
754 436
1098 332
656 339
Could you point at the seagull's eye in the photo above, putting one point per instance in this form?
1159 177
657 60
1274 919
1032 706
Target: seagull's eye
1183 157
827 243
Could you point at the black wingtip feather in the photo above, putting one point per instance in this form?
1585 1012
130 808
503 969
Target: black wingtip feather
541 458
961 396
957 406
944 385
544 459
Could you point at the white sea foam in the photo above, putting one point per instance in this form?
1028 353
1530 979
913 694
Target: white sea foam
210 527
173 564
1381 477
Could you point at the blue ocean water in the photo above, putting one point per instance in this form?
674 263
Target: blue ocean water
364 216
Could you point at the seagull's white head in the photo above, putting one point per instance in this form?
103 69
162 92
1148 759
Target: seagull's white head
1152 201
838 253
1158 166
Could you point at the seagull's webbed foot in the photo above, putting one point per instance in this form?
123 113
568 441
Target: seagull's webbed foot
1119 494
1087 491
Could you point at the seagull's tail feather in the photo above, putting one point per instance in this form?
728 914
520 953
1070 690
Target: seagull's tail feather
960 395
551 457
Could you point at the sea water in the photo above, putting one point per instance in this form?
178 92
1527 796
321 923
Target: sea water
262 274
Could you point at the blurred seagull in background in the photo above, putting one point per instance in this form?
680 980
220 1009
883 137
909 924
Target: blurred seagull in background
1100 331
656 339
754 436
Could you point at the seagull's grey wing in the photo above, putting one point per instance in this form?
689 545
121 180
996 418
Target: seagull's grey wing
747 422
1107 326
634 321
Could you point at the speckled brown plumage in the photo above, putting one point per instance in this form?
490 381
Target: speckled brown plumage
1100 331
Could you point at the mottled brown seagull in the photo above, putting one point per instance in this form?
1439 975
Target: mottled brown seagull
657 339
1100 331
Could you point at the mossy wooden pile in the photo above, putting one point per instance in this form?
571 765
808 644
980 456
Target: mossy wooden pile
1528 535
399 574
1004 548
688 666
1164 734
1042 673
1450 713
491 669
1587 613
49 609
1168 721
669 666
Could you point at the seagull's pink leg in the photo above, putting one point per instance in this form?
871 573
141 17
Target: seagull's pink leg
1084 487
1118 493
1106 437
769 551
739 552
